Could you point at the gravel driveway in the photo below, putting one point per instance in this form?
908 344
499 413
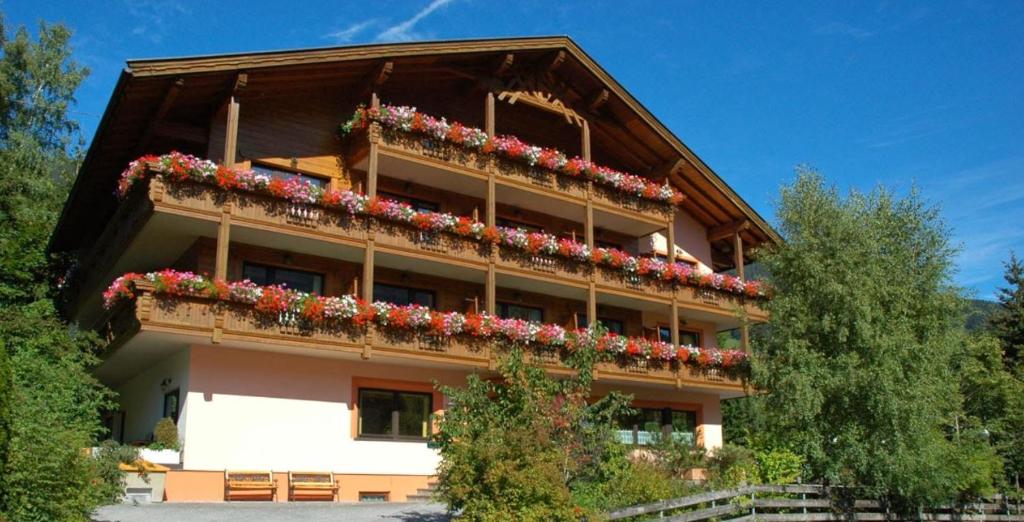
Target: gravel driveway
267 511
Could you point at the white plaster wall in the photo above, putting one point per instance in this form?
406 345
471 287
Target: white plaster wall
259 410
142 398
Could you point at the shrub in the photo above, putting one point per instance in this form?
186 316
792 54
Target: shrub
519 450
165 435
778 466
731 466
107 458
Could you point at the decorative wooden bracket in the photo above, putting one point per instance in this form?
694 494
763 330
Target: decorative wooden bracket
377 78
728 229
504 65
598 100
218 327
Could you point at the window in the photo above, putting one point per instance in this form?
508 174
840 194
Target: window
397 415
518 311
171 406
511 223
647 424
373 496
402 295
418 205
614 326
295 279
607 244
279 173
687 337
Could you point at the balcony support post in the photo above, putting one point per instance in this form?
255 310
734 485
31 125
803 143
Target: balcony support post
588 216
368 291
374 139
489 114
670 239
592 304
738 260
674 322
231 129
491 291
585 138
220 270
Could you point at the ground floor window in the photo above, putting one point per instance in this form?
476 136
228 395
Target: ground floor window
646 425
396 415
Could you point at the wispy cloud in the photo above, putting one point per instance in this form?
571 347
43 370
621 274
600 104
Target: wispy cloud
350 32
985 227
404 31
149 17
843 29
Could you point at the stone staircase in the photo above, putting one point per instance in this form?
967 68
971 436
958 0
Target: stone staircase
424 494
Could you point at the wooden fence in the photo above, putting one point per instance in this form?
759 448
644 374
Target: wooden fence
803 502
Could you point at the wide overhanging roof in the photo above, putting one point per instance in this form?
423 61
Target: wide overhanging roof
156 89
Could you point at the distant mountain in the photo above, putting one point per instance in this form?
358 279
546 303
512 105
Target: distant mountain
978 313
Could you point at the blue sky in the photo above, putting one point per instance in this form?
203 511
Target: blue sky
893 93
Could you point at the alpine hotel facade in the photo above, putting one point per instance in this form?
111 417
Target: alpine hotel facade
285 250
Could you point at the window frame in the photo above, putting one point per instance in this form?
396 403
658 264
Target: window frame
410 289
434 206
506 222
697 333
395 436
176 393
256 165
505 304
605 321
321 275
665 421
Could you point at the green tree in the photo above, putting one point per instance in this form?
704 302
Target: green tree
50 402
1008 321
857 364
516 449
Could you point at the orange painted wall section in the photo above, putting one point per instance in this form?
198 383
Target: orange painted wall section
208 486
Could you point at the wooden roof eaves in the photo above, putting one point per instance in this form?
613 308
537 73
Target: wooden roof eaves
231 62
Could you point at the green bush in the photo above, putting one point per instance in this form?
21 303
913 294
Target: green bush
731 466
165 435
106 460
778 466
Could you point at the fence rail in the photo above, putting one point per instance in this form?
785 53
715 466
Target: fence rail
790 503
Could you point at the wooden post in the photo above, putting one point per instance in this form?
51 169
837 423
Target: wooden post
231 137
491 290
738 253
585 145
489 114
670 240
588 224
220 270
592 304
374 138
673 324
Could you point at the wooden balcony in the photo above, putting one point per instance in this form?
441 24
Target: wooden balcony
463 161
260 214
200 320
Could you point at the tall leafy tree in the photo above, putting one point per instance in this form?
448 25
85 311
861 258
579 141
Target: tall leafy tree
864 325
1008 322
49 401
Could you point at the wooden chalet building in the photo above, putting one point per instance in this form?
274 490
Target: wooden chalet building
405 209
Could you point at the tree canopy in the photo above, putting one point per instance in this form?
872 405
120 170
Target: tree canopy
857 363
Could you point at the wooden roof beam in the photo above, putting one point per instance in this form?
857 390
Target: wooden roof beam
158 115
555 62
728 229
663 171
505 65
377 78
597 100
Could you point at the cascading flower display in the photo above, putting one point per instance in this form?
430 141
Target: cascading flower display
286 305
178 167
408 119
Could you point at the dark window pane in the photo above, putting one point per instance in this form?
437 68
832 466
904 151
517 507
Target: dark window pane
171 405
375 409
294 279
664 334
515 311
413 415
613 325
418 205
510 223
689 338
607 244
287 174
401 295
684 426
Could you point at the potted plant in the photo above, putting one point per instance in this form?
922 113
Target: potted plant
165 448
